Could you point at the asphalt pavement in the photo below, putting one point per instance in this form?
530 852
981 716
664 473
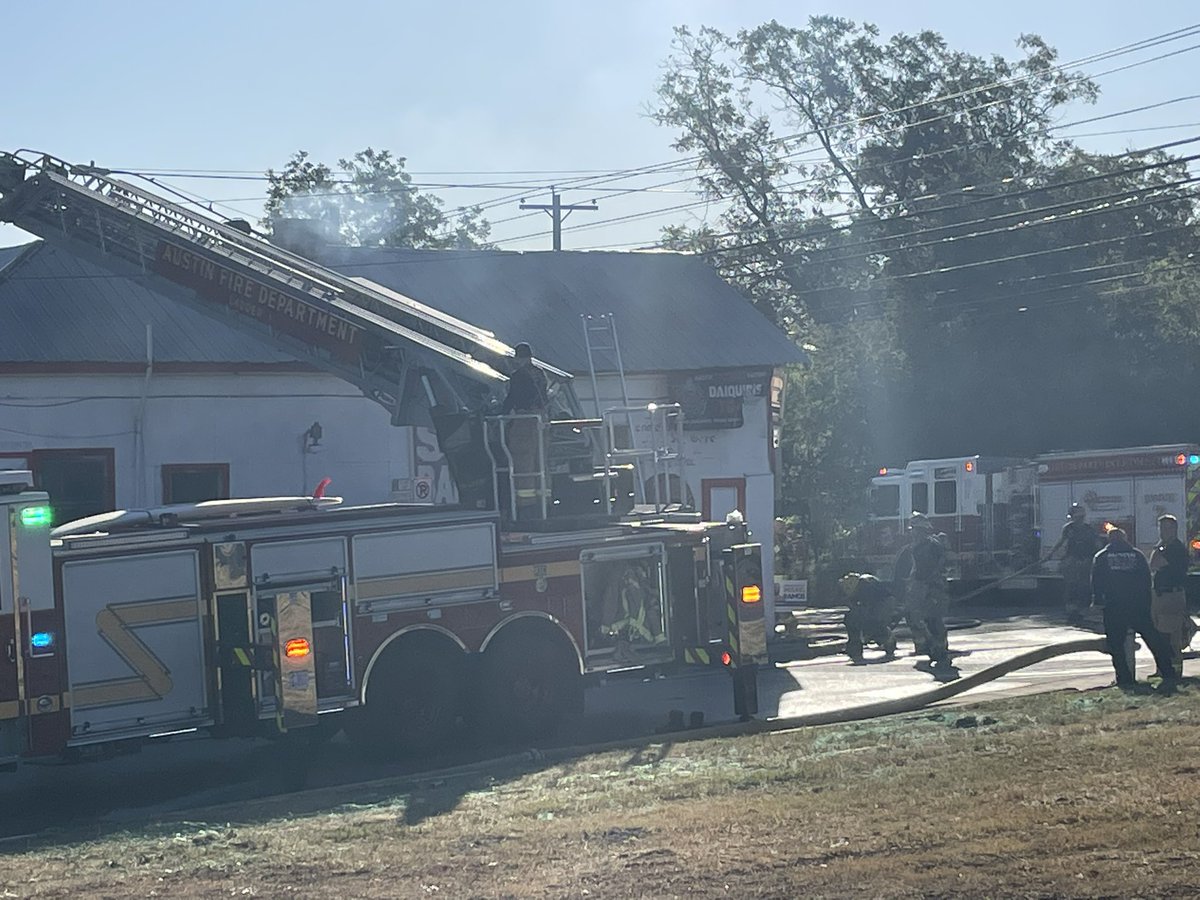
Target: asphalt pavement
794 685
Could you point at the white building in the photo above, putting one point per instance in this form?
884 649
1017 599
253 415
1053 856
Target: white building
117 396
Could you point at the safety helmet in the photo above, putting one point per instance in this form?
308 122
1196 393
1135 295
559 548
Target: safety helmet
920 521
848 583
1076 511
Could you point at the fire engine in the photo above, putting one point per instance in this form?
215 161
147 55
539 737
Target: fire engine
984 505
281 615
1003 516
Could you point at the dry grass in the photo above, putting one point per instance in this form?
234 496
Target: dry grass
1062 795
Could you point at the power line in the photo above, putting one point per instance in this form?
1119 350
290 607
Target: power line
1143 44
851 213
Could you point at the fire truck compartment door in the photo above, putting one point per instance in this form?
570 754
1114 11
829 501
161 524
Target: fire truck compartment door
297 686
11 726
136 651
444 564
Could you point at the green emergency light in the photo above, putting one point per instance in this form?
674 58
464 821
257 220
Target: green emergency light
37 516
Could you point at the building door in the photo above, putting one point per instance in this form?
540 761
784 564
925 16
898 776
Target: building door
80 482
721 496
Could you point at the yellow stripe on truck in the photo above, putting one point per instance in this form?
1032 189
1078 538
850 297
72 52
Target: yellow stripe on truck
564 569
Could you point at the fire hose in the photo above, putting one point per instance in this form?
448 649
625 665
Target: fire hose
1025 570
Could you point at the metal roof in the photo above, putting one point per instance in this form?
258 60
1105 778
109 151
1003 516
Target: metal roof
8 254
60 308
673 312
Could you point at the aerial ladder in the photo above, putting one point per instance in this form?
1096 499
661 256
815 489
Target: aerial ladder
392 347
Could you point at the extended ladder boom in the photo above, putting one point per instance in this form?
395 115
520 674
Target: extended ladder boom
369 335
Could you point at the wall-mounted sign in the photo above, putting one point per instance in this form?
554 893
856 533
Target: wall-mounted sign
715 399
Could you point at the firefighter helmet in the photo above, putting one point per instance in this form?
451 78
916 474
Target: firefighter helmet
920 521
1076 512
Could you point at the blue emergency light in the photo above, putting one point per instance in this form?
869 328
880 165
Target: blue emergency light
1194 459
42 640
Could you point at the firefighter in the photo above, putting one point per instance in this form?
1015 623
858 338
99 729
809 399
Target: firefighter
1168 606
527 394
1121 584
926 601
870 615
1081 542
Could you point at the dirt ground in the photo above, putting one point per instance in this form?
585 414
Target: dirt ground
1092 794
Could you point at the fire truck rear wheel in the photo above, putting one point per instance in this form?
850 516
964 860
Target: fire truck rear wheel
530 685
413 701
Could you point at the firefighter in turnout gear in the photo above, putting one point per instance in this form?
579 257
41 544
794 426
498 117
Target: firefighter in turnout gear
870 615
926 601
1168 607
527 396
1121 584
1082 542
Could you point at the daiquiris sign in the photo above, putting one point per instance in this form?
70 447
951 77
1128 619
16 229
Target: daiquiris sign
716 399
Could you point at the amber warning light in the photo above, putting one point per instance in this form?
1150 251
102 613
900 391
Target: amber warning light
296 648
751 593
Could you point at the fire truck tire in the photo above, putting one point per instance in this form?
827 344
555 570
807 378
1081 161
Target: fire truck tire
529 685
414 700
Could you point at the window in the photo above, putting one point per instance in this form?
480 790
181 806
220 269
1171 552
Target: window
920 497
194 482
945 497
885 500
80 482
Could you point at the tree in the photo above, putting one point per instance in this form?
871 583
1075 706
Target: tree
373 203
967 278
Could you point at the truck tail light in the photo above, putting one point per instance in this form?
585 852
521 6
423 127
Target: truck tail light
297 648
751 593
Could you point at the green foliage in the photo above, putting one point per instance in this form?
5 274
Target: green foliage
968 279
372 204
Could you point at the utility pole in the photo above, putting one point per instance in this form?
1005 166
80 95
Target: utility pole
558 211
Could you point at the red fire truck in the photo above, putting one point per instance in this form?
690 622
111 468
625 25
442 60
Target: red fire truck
278 614
245 617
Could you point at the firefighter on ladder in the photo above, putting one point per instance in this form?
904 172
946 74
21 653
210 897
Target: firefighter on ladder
527 396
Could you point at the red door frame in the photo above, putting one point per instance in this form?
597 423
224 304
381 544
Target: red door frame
706 488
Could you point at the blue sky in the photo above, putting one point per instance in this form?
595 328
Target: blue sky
465 87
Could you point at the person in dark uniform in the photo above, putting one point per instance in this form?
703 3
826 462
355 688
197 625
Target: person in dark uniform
870 615
1121 584
926 601
1168 606
1081 541
527 396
